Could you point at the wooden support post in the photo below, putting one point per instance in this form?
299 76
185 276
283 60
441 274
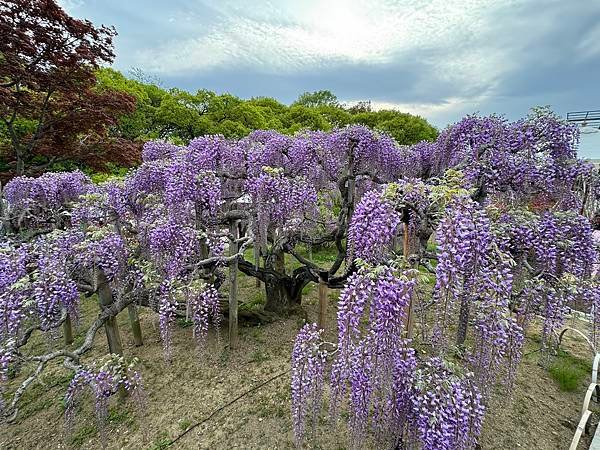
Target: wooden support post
68 330
136 329
323 303
410 320
113 336
257 259
406 242
110 326
410 310
233 288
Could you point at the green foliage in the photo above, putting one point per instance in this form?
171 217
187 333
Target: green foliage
162 441
405 128
82 435
184 424
317 98
119 416
142 124
569 371
184 323
113 172
306 290
255 299
302 117
324 255
179 116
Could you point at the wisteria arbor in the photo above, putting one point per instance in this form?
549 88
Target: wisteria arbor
129 244
296 190
503 200
332 172
157 238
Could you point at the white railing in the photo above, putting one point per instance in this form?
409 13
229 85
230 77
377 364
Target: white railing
591 393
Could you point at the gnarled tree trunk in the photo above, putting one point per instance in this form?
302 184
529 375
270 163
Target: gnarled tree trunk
284 294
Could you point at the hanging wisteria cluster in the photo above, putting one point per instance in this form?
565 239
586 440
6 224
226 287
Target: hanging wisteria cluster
560 254
41 202
14 289
114 376
308 373
368 359
447 409
505 202
392 396
279 201
474 284
374 225
205 311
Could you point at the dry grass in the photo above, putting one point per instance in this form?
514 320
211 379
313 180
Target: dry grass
538 416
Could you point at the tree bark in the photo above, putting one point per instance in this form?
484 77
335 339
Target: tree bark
110 326
283 292
68 330
323 303
283 295
233 288
136 328
257 260
20 169
279 261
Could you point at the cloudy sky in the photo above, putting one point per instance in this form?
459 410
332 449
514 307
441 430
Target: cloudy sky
441 59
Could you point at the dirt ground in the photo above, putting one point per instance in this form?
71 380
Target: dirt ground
189 389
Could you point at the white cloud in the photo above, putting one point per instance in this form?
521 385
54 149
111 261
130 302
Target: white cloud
70 5
423 109
438 113
288 37
589 47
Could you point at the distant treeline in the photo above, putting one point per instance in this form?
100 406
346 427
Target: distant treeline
179 116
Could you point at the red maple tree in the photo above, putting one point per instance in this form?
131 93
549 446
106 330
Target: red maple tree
50 107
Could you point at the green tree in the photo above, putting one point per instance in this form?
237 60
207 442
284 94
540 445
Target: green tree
301 117
317 98
180 116
141 124
405 128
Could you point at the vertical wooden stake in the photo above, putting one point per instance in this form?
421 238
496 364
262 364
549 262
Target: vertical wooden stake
233 288
110 326
68 330
323 303
406 242
136 329
410 321
112 335
257 260
410 310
